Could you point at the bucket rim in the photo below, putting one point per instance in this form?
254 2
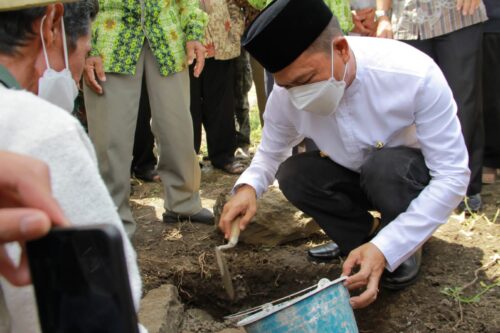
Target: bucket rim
265 312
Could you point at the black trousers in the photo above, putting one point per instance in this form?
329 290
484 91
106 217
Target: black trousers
491 99
339 199
458 54
242 85
212 104
144 158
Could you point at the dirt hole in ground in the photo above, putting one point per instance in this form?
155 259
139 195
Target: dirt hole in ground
281 272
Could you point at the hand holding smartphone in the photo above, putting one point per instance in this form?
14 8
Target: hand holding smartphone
81 281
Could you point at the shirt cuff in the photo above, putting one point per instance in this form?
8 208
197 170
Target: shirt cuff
385 246
247 179
94 52
195 29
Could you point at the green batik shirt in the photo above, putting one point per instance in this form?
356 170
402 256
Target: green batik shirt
340 8
121 27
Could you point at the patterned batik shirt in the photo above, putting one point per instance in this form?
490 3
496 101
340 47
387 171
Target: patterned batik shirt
224 29
340 8
121 27
424 19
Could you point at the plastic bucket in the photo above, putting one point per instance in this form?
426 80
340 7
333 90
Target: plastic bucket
325 308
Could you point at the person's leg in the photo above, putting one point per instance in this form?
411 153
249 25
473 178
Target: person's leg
173 128
329 193
426 46
491 99
112 118
459 56
391 179
195 85
260 87
269 83
242 84
218 113
144 160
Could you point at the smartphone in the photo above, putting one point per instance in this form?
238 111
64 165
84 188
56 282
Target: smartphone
81 281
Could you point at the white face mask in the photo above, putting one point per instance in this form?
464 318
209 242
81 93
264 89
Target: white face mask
58 88
322 97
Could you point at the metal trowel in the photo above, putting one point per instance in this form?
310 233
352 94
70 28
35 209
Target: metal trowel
221 261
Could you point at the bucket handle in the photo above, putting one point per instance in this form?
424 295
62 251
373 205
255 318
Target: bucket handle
323 282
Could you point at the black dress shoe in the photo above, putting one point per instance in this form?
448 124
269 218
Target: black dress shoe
204 216
149 175
406 274
324 252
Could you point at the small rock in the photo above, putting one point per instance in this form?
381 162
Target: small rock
446 302
200 321
161 310
199 315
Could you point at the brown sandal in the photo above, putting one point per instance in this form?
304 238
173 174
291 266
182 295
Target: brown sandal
489 175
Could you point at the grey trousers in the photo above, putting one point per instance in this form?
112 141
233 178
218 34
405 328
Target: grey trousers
112 119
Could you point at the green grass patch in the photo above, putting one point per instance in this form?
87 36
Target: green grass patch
256 130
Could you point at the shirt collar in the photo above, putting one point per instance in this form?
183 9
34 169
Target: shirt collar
7 79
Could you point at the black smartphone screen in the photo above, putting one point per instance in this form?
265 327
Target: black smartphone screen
81 281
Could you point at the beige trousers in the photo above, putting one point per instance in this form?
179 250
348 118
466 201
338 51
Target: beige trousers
112 119
260 87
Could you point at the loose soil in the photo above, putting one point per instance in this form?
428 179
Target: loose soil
183 254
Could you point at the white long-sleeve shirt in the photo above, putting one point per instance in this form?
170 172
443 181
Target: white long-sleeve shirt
34 127
399 97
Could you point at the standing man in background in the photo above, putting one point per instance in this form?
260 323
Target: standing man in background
491 97
158 40
450 32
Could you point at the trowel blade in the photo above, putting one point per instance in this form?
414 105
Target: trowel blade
224 272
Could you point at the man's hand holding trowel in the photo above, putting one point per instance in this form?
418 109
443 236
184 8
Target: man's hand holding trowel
235 216
243 204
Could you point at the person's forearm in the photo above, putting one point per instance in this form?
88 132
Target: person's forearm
383 19
385 5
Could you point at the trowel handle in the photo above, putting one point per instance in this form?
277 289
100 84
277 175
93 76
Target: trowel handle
235 232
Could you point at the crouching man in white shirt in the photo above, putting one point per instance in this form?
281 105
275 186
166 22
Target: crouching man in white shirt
384 118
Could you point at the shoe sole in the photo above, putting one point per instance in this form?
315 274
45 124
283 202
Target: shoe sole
172 219
398 286
322 259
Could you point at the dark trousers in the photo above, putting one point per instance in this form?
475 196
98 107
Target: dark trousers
242 85
458 54
212 104
339 199
144 159
491 99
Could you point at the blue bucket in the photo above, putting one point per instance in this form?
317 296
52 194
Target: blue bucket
323 308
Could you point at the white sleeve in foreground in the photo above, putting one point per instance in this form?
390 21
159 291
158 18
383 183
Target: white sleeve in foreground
78 188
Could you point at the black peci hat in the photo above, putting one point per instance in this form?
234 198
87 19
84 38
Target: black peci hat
284 30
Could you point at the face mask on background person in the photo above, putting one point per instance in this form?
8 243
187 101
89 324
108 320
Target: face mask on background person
58 88
320 98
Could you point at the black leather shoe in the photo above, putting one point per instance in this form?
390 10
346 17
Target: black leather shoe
325 252
149 176
204 216
406 274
